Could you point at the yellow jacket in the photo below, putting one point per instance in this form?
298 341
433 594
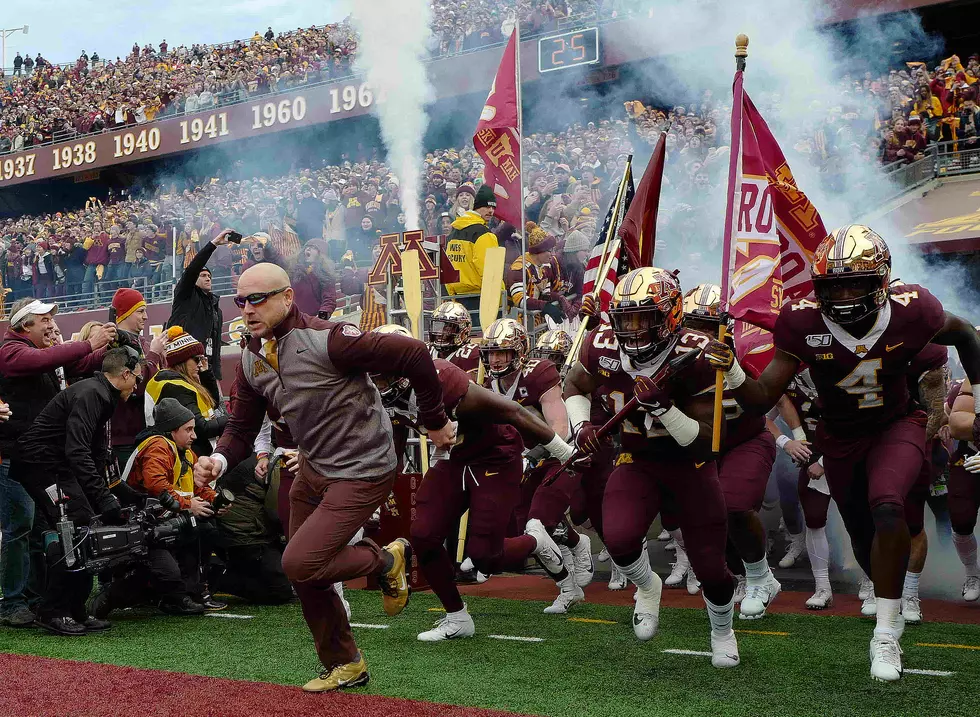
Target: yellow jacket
467 246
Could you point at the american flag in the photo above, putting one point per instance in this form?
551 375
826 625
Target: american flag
592 265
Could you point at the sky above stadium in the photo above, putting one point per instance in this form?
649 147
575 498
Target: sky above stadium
60 30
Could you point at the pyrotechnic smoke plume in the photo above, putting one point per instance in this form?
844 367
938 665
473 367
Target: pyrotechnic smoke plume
393 44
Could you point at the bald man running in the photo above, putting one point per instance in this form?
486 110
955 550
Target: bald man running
315 373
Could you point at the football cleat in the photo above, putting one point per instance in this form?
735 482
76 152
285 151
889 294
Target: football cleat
820 600
546 551
886 658
866 588
617 581
758 598
603 556
971 588
394 586
740 583
796 549
693 584
678 571
565 599
353 674
646 611
450 627
582 559
869 608
911 610
664 535
671 545
724 651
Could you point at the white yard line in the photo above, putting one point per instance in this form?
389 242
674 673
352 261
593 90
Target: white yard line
931 673
370 627
229 615
696 653
516 638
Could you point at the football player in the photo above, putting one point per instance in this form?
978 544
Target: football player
859 337
534 383
482 472
449 337
665 446
746 460
964 484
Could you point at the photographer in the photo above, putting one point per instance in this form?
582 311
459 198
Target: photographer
163 463
128 312
67 445
28 381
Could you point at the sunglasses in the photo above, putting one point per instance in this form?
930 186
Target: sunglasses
258 298
200 360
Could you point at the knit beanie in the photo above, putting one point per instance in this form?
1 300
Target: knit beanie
575 241
126 301
169 415
467 189
319 245
538 241
181 346
485 197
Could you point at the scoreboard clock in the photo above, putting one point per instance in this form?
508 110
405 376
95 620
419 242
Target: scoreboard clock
570 49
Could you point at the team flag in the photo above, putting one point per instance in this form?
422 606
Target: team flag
498 136
610 228
771 227
639 229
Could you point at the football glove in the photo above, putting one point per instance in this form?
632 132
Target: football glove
720 355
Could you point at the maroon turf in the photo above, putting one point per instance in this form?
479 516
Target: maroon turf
37 686
533 587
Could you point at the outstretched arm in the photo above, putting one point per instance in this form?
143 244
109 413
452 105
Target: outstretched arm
961 334
489 407
932 390
754 395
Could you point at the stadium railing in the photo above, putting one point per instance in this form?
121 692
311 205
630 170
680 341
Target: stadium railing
946 159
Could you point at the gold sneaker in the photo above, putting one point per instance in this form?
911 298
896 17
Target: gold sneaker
394 583
353 674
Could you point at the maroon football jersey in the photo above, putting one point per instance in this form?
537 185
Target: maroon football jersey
536 378
476 441
466 357
861 382
642 433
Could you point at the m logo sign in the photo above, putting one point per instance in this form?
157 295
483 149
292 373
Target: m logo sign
818 340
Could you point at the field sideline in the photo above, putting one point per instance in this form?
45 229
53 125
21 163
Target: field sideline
792 664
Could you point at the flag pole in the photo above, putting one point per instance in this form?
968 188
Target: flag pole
520 144
604 262
734 187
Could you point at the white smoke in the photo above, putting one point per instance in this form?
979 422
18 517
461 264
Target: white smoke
393 44
794 72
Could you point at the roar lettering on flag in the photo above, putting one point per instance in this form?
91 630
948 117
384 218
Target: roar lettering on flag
614 259
498 136
771 227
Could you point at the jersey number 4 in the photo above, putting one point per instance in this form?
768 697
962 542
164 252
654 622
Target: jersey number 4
863 383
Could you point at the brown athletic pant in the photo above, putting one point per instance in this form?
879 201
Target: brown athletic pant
324 515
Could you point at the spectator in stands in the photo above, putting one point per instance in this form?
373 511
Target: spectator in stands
198 310
310 215
575 254
313 281
18 64
181 379
467 246
969 128
128 312
334 225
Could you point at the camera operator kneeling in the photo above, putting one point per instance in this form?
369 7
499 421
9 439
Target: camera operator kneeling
67 445
162 467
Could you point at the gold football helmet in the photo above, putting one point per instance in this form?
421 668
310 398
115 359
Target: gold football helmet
553 345
646 311
449 327
391 388
851 271
504 335
702 308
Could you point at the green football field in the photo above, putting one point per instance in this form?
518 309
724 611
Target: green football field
792 664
